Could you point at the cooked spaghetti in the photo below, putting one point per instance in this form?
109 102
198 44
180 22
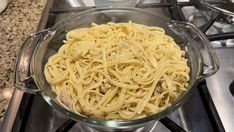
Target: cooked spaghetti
118 71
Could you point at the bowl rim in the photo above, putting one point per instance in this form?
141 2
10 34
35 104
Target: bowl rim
110 123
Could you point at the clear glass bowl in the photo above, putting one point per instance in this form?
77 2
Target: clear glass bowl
38 47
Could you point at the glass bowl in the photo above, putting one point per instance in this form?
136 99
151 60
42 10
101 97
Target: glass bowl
37 48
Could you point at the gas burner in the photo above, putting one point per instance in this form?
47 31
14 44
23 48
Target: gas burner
216 22
198 18
224 27
224 8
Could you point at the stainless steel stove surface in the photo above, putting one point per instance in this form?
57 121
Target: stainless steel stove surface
211 107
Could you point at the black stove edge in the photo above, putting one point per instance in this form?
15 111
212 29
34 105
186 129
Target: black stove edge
210 107
66 126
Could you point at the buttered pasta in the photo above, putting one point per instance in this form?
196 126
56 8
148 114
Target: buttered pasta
117 71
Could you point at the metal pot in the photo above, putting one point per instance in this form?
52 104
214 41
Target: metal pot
38 47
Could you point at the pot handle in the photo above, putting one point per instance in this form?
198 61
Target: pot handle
210 63
22 75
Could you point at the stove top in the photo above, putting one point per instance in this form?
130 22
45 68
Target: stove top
211 107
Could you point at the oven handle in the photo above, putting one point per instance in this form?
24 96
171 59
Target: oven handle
22 75
208 58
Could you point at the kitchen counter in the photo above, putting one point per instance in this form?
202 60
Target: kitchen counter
18 21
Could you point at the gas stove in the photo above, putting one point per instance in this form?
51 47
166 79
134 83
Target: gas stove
211 107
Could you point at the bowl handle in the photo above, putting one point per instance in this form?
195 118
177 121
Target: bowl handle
22 75
210 63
